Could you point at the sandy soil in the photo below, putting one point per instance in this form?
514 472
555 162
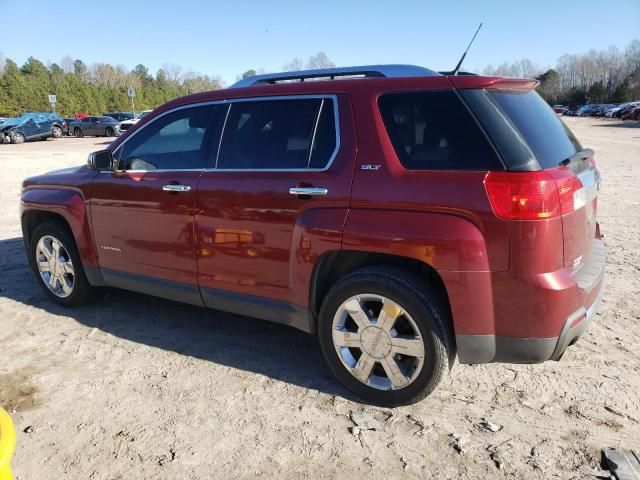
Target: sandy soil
137 387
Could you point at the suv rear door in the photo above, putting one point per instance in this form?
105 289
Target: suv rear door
255 234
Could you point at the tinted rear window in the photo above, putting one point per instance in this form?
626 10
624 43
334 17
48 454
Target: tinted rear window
547 136
435 131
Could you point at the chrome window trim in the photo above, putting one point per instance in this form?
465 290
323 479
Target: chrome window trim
313 135
224 125
229 102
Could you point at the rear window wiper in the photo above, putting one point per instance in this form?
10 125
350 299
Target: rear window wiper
583 154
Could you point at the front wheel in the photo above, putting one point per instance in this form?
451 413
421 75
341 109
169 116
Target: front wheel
54 258
18 138
385 335
109 132
78 133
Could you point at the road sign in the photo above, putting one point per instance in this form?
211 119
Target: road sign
131 92
52 99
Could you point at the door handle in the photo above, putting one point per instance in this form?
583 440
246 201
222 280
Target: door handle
308 191
176 188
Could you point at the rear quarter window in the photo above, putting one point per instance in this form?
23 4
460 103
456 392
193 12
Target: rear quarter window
547 136
435 131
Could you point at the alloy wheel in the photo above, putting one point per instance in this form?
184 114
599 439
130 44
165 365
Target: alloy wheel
378 342
55 266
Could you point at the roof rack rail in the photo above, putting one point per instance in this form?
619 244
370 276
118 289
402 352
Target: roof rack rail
367 71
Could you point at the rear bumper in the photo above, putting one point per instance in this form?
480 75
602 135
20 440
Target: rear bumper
575 325
545 317
506 349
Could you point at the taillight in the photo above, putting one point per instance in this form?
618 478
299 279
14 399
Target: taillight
534 195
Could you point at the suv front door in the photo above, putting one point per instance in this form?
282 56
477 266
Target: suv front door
142 213
257 240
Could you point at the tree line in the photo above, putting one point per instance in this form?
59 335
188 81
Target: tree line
94 89
103 87
597 76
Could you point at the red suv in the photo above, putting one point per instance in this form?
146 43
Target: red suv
406 216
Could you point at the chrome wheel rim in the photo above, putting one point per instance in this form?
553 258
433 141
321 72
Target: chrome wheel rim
55 266
57 132
378 342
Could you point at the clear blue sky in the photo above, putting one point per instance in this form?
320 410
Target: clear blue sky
227 38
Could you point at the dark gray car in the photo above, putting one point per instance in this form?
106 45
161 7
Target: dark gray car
98 126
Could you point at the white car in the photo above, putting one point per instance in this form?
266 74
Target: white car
127 123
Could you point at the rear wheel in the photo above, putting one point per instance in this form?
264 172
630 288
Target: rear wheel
56 132
78 132
109 132
54 258
18 137
385 335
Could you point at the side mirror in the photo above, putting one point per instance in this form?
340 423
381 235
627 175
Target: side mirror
101 160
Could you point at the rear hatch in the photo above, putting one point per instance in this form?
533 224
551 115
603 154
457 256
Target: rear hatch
532 138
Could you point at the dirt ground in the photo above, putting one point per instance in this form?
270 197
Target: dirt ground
134 387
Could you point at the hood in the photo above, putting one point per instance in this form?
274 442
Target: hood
64 171
73 177
9 124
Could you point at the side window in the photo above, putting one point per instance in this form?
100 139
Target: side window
174 141
277 134
434 131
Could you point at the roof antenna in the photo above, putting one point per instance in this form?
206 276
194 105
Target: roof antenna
455 70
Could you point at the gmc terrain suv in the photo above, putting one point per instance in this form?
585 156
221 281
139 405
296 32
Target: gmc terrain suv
406 216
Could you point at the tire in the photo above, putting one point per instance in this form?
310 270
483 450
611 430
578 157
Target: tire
77 132
109 132
56 132
18 138
78 290
421 314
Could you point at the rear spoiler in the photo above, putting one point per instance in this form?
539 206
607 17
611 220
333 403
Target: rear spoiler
510 83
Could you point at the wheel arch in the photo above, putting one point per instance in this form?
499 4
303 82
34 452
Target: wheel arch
32 218
67 208
335 264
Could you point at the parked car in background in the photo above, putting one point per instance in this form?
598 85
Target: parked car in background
608 110
65 127
128 123
626 109
31 126
407 219
81 115
98 126
559 109
632 114
120 116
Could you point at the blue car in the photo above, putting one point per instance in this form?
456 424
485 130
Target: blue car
31 126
